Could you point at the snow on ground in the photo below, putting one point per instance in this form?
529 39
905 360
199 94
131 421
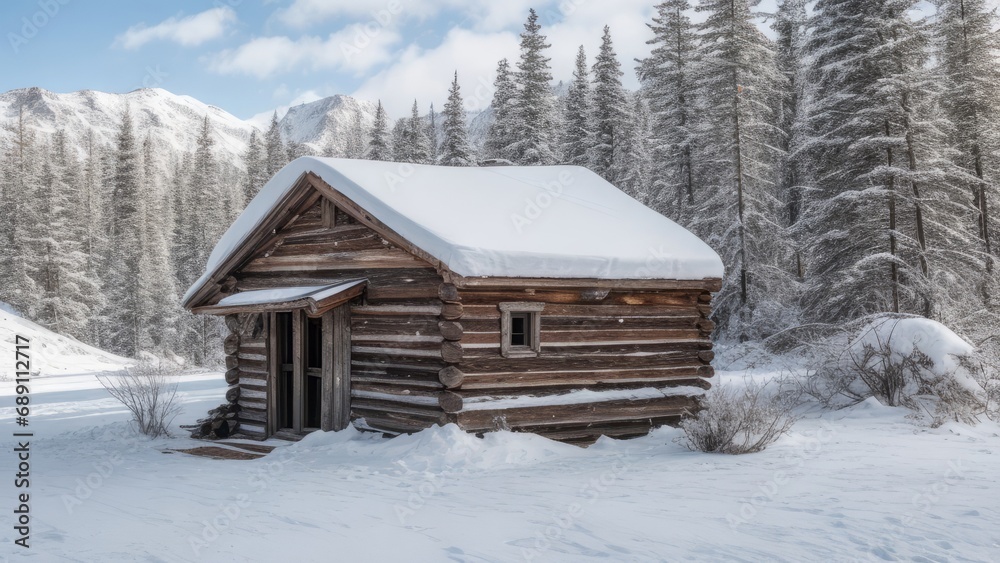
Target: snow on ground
859 484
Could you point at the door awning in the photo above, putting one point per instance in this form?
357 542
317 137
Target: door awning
315 299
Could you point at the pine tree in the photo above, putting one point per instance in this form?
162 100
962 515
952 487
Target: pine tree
160 306
401 141
17 287
533 109
667 82
124 281
419 150
256 166
378 147
737 81
577 137
357 137
432 136
455 150
502 133
970 72
277 154
610 112
631 167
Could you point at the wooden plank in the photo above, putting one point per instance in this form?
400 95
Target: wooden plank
329 405
683 375
298 367
341 322
334 261
596 413
270 328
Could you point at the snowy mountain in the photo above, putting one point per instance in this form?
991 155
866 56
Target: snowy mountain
325 122
171 120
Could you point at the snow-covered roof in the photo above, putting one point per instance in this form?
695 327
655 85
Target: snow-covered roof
285 294
504 221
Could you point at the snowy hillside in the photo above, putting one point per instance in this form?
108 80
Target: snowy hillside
51 353
172 121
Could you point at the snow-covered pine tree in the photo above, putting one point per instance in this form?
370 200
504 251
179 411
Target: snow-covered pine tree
432 136
738 83
610 111
20 176
378 146
577 137
124 277
503 132
161 309
790 25
357 137
666 77
875 161
69 296
970 71
455 149
533 109
419 149
631 166
255 162
400 141
277 154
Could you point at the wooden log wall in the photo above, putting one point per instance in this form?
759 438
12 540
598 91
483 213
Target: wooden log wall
600 340
395 337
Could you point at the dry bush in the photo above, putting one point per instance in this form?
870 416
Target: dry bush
736 420
145 391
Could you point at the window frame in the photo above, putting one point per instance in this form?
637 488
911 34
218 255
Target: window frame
533 331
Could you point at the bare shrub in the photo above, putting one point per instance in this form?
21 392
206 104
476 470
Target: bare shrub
736 420
145 391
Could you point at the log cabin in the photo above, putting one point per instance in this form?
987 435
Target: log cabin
394 297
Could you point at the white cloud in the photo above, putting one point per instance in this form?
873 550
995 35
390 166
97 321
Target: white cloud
305 13
426 74
355 49
189 31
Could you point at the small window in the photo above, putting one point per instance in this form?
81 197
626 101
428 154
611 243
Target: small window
520 329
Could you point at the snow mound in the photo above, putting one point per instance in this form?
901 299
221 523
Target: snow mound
51 353
439 449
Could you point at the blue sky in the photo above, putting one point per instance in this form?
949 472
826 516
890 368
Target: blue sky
250 56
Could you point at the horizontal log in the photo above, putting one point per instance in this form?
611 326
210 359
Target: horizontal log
233 375
679 375
451 377
233 323
398 423
402 364
451 311
709 284
382 380
233 394
372 326
594 337
586 311
578 414
579 363
252 415
624 350
706 356
232 362
415 311
382 339
451 352
401 349
334 261
706 325
415 413
680 298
